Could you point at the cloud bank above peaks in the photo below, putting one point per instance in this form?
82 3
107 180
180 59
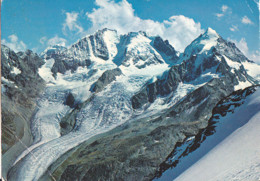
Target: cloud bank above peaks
179 30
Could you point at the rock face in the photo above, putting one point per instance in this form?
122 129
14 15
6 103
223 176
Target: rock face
106 78
79 54
21 85
70 100
165 47
99 47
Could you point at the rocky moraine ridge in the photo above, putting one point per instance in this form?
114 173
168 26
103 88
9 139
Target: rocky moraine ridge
123 104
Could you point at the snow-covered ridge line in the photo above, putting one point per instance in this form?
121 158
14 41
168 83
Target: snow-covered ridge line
231 160
229 115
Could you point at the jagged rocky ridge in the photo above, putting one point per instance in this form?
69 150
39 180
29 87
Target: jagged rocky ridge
108 45
108 59
227 105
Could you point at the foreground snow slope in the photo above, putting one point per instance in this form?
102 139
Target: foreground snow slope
237 157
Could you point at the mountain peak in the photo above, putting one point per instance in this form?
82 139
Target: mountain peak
211 32
209 35
204 43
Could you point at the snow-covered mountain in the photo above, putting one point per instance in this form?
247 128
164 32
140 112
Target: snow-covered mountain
208 57
136 50
108 92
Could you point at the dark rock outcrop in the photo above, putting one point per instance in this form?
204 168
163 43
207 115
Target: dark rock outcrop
70 100
165 47
60 65
106 78
99 47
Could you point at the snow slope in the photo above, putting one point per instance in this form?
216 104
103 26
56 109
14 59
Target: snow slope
231 153
235 158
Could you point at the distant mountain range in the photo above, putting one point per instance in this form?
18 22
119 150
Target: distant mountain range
120 107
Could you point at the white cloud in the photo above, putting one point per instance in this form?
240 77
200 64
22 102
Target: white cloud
242 46
219 15
57 41
224 8
13 38
246 20
43 40
14 43
179 30
71 23
233 28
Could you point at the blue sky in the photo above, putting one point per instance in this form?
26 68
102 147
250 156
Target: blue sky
36 24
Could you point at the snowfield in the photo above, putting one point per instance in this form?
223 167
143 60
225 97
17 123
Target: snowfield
232 153
235 158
